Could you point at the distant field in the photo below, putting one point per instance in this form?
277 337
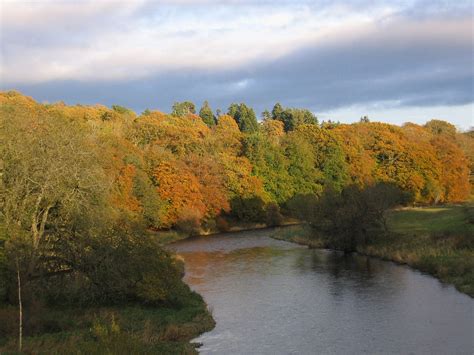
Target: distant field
437 240
416 221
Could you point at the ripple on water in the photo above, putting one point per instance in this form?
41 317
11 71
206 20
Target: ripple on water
273 297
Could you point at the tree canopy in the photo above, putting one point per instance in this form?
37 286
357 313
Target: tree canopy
244 116
83 185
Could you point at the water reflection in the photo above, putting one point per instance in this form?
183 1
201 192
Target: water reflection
273 297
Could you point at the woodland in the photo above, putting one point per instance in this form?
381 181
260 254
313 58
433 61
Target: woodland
85 192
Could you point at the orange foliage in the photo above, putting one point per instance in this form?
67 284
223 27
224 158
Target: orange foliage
178 186
211 176
455 171
404 156
198 170
361 163
274 130
227 136
182 135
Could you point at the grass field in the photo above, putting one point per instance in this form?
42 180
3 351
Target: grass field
436 240
419 221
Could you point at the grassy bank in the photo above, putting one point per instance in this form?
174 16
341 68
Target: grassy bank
170 236
436 240
107 330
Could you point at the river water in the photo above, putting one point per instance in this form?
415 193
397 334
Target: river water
274 297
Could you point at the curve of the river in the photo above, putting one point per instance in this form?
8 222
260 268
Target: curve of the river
274 297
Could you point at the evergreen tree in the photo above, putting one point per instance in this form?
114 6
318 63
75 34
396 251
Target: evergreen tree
207 115
183 108
244 116
266 115
293 117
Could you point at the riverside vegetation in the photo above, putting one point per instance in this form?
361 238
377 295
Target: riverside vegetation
437 240
89 195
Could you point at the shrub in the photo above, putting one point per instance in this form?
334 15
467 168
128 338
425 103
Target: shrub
274 217
302 206
221 224
248 209
189 222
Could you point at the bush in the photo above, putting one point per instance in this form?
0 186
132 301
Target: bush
248 209
221 224
302 206
189 222
274 217
353 216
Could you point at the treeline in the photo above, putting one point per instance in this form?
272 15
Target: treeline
82 184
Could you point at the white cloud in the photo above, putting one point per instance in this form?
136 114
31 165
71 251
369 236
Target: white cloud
84 40
462 116
394 60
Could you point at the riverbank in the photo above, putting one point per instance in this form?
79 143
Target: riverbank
435 240
171 236
126 329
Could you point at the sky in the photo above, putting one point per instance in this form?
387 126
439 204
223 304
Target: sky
395 61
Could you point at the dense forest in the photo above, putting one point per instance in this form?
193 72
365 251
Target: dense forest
84 187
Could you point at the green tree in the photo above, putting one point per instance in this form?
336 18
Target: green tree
329 155
269 164
293 117
266 115
183 108
207 115
244 116
353 216
303 169
122 109
277 112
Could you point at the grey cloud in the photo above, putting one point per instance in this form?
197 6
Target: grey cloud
388 65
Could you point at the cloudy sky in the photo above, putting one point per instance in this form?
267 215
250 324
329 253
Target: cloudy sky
394 61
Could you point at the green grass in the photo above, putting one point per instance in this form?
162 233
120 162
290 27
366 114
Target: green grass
300 234
419 221
169 236
110 330
436 240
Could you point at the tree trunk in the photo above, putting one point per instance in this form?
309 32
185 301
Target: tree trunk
20 309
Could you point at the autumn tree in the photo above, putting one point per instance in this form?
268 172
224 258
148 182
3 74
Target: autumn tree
227 136
180 135
454 177
66 201
122 110
180 188
392 154
211 176
439 127
465 141
273 130
55 174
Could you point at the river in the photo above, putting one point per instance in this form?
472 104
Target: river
274 297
